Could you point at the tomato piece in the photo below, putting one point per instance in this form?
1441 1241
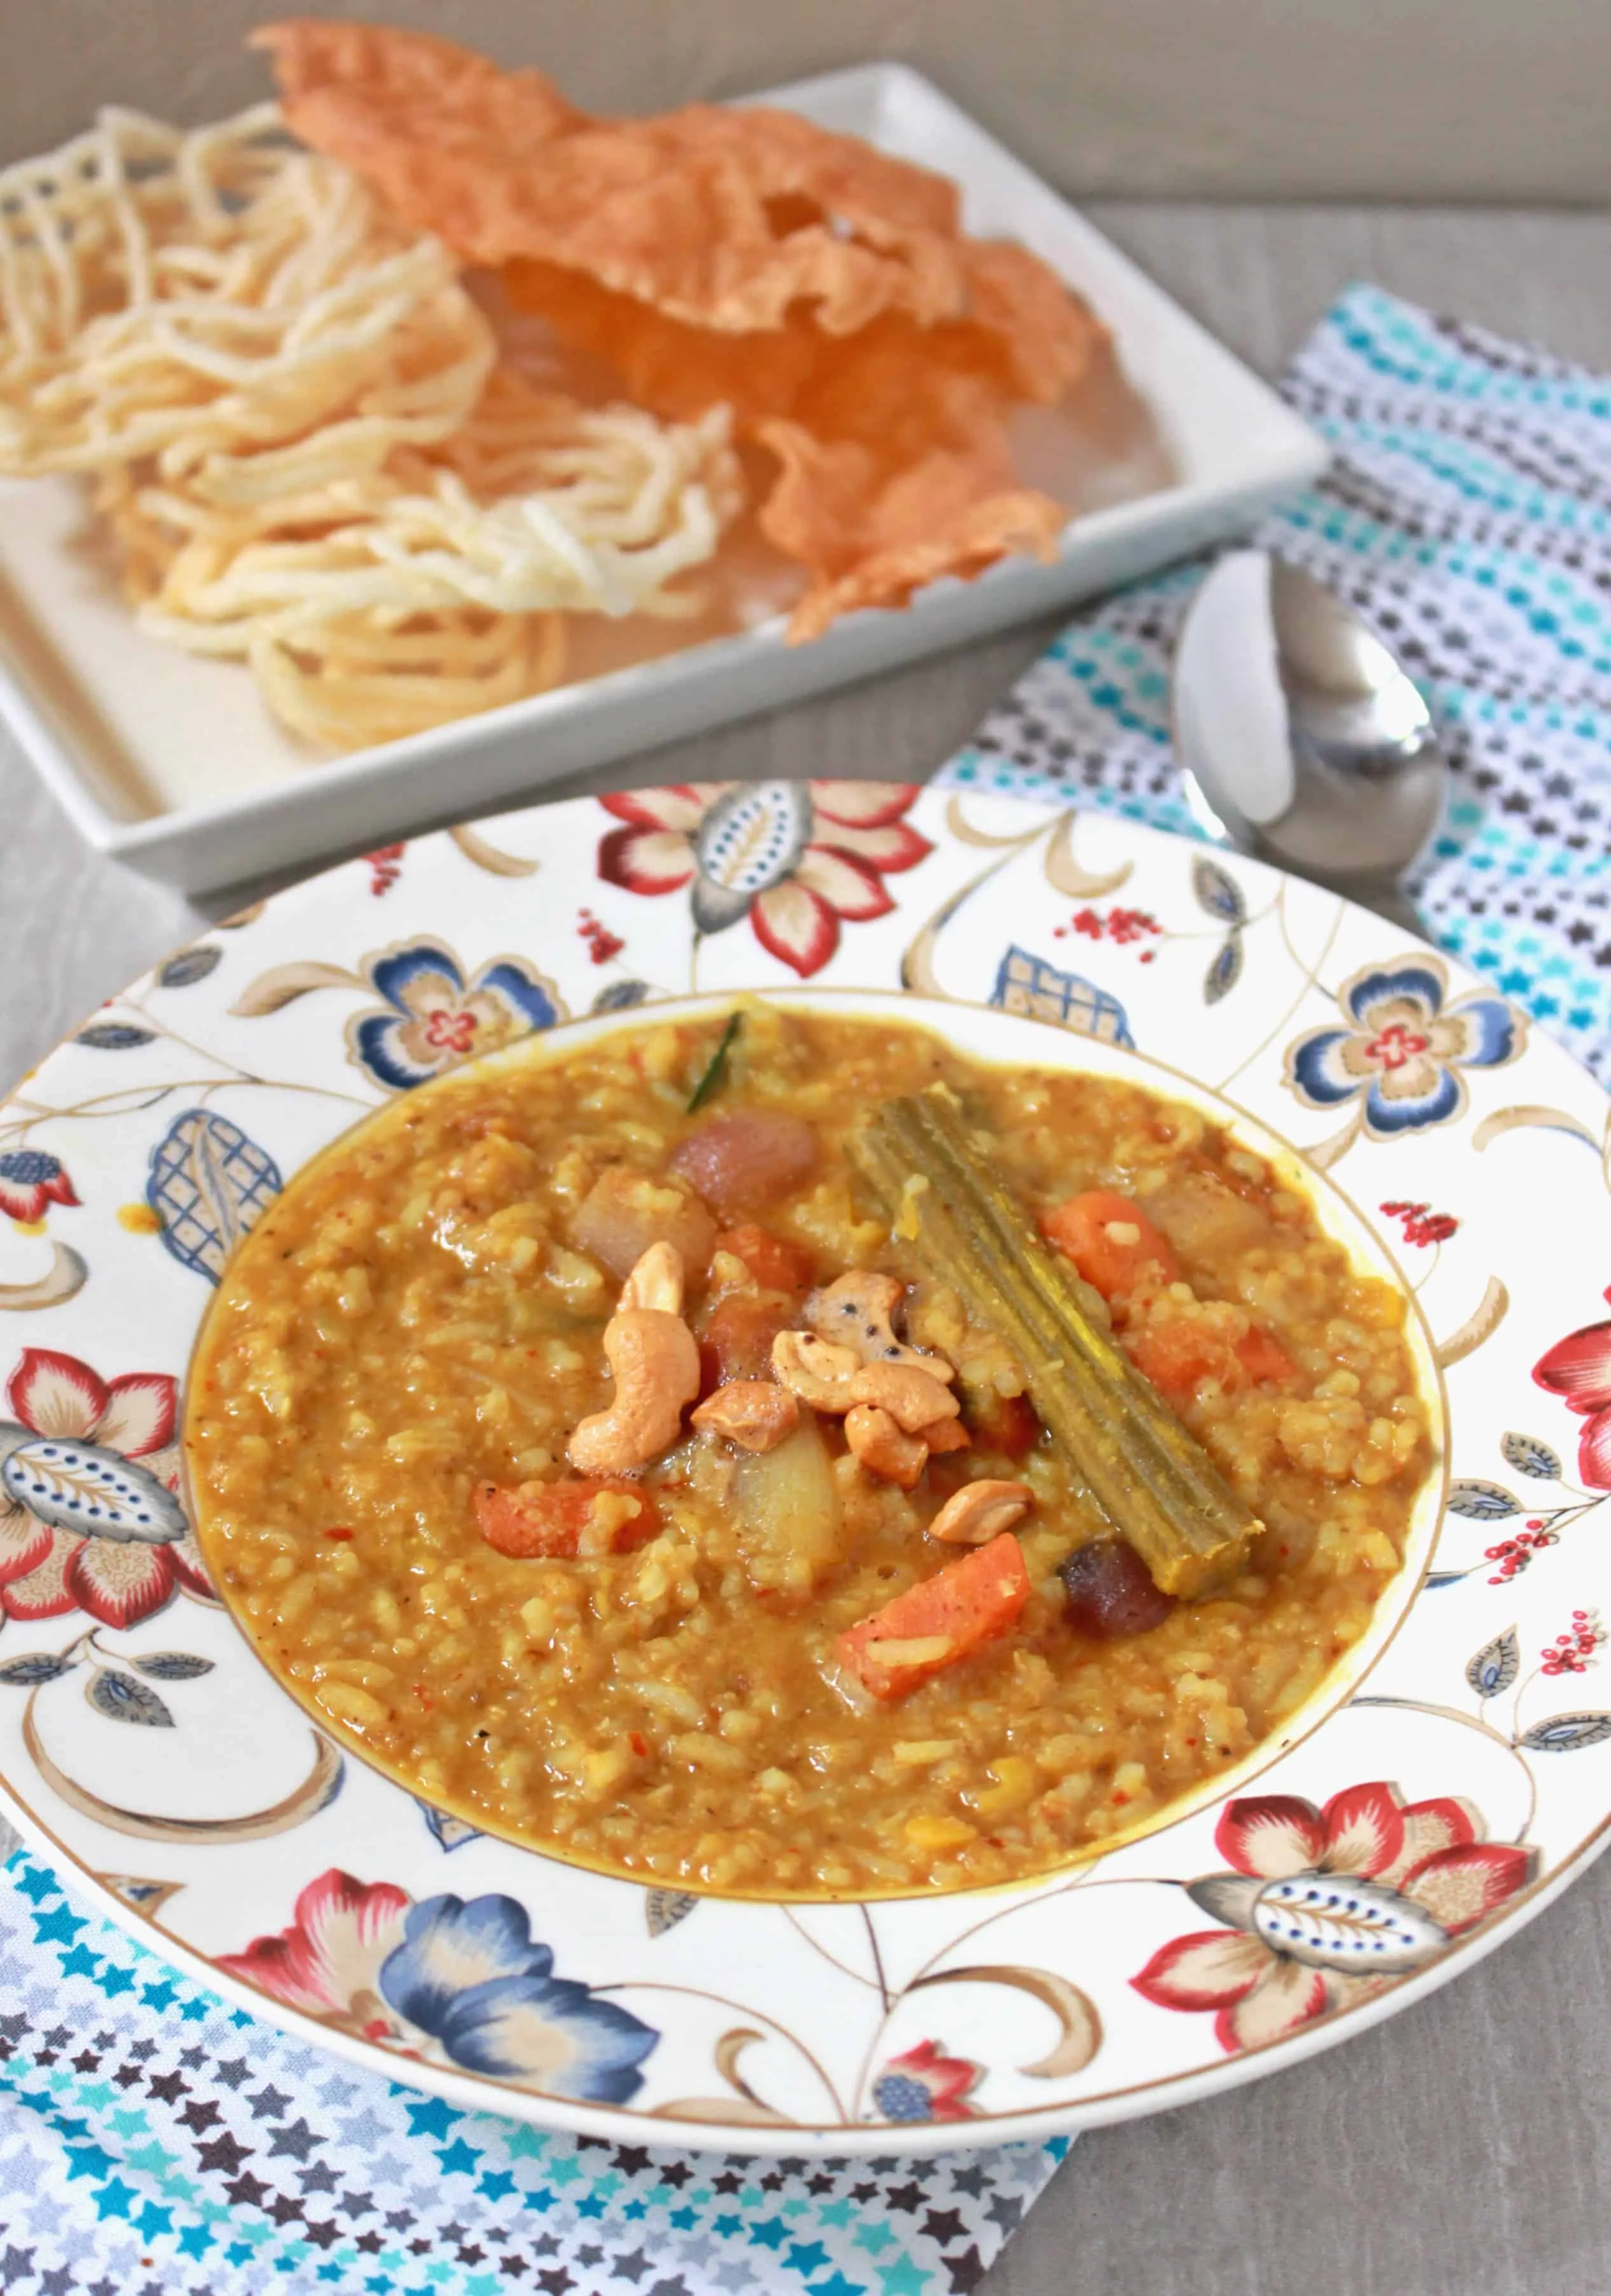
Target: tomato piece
1263 1357
557 1519
737 1339
1177 1356
775 1264
1110 1241
940 1621
1002 1422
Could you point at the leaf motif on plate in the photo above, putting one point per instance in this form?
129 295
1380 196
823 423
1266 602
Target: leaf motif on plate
1080 2036
450 1832
1027 985
1496 1665
1529 1118
621 996
146 1894
84 1487
664 1908
283 983
742 2106
1529 1456
187 966
1480 1502
1225 968
33 1667
122 1699
114 1037
1066 874
68 1273
1565 1734
487 855
1478 1327
1218 891
171 1666
209 1186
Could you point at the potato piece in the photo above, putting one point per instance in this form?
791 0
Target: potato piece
625 1211
785 1504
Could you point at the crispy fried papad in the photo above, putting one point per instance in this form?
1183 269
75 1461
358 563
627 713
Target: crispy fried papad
824 291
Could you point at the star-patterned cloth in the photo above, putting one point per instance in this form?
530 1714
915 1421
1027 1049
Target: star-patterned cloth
155 2142
1467 512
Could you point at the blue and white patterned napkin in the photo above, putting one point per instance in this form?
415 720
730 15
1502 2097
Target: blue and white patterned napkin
1467 512
155 2142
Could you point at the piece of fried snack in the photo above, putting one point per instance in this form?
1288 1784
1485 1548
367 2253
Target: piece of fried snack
742 257
297 423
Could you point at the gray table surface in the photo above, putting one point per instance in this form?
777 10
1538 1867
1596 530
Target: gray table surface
1457 2148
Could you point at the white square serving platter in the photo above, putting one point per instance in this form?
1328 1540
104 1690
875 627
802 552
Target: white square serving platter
172 763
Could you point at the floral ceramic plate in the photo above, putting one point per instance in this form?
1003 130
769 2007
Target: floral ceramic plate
1444 1787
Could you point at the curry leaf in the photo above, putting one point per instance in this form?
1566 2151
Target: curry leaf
710 1084
1482 1502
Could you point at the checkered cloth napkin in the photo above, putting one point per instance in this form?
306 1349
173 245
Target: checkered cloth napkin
1467 512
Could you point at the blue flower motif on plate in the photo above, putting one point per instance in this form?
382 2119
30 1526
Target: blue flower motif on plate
437 1015
1403 1050
472 1976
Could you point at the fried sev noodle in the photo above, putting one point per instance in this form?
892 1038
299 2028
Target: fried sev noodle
294 417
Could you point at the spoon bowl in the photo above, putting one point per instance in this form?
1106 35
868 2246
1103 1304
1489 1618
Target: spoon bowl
1300 737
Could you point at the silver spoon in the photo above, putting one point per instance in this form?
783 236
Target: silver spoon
1300 738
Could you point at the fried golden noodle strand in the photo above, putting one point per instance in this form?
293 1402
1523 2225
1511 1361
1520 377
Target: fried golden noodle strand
300 432
1145 1470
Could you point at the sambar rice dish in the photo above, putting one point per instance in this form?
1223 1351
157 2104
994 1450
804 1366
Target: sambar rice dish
644 1482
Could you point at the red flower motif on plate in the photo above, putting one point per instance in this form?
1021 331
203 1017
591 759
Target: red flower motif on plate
46 1570
1578 1369
798 859
1327 1907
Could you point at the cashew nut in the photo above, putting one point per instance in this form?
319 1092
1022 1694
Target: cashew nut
855 1310
655 1282
979 1511
914 1399
655 1361
814 1370
880 1448
755 1413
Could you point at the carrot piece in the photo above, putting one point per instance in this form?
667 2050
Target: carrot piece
558 1518
939 1622
775 1264
1002 1422
1263 1357
1177 1355
1110 1241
